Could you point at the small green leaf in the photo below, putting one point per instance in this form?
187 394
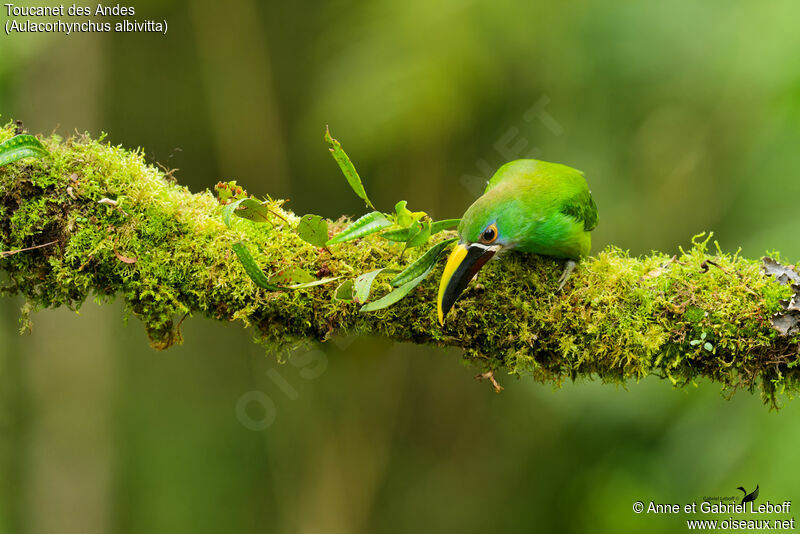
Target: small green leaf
21 146
708 346
423 264
291 275
412 235
363 286
251 209
312 284
313 229
414 231
421 237
260 279
228 210
368 224
394 295
403 214
440 226
400 292
251 267
344 291
398 236
695 342
246 208
405 217
347 167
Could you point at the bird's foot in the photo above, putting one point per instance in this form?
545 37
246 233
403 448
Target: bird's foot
489 375
568 268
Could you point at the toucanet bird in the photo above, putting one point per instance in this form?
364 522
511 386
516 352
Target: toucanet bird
530 206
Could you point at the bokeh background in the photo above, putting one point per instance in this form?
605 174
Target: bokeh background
685 117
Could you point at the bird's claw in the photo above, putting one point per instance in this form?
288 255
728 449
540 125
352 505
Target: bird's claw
565 274
489 375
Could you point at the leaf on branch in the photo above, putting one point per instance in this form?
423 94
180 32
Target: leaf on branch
421 236
228 210
294 274
313 229
363 286
344 291
423 264
398 293
19 147
400 235
414 231
251 267
366 225
406 217
410 278
347 168
440 226
252 210
247 208
312 284
394 296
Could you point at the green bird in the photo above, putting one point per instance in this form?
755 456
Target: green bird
530 206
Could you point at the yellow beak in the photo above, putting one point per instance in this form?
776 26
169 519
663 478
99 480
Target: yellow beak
462 265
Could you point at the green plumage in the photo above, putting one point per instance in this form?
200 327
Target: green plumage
538 207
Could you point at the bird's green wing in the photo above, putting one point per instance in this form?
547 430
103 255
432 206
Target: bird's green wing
582 208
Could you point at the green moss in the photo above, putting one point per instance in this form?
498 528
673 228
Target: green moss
619 318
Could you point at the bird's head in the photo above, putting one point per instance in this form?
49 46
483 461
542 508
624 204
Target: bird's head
485 229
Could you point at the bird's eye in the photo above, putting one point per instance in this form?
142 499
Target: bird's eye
489 235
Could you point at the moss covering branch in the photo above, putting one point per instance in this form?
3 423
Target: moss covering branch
121 227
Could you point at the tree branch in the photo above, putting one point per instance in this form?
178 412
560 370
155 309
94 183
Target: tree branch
166 252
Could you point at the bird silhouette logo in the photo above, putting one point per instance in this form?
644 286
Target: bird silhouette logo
748 497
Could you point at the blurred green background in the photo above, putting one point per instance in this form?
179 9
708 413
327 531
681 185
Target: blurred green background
685 117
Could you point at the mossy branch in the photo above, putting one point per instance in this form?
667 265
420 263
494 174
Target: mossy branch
114 225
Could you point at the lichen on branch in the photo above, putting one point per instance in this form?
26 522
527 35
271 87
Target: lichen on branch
117 227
